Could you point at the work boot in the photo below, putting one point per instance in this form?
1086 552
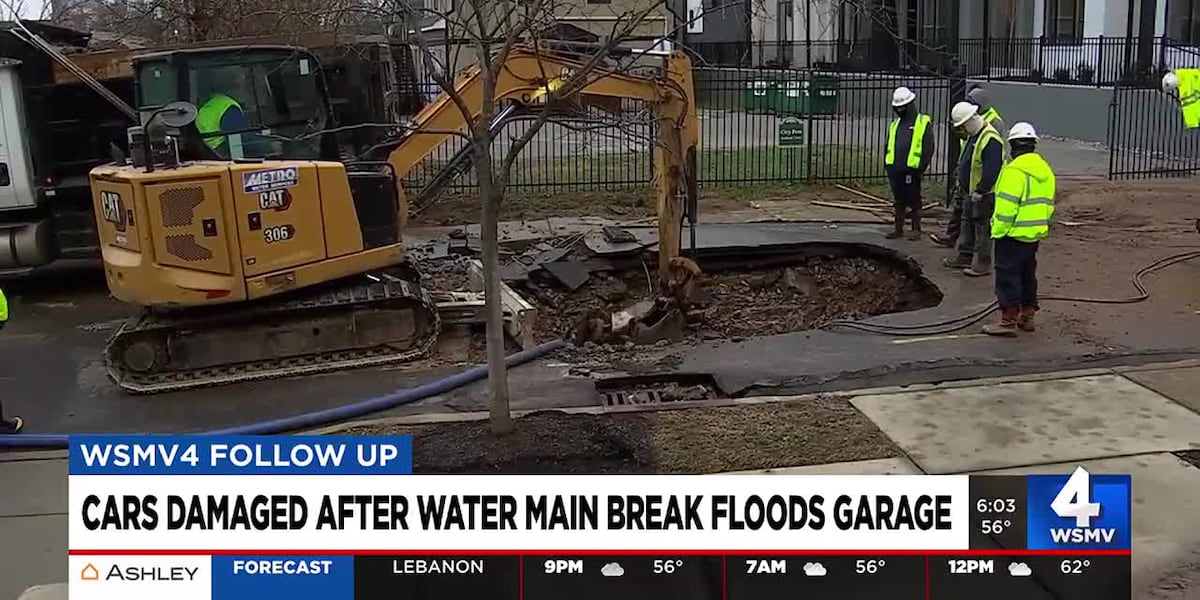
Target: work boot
980 267
915 221
15 425
1007 327
942 240
1025 319
957 262
897 231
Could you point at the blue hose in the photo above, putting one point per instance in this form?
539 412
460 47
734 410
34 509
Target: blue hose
322 417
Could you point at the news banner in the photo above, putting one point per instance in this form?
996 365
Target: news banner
343 517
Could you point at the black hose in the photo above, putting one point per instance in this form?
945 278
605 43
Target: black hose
964 321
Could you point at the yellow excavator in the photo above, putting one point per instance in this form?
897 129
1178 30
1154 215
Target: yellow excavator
251 268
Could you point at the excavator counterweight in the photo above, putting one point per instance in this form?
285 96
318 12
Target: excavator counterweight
252 269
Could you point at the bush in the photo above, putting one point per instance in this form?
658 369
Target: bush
1062 74
1085 72
1035 74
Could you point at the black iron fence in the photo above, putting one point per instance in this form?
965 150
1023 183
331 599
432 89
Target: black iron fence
756 126
1147 137
1093 61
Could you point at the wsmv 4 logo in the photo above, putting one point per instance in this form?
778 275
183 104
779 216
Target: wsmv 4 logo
1081 511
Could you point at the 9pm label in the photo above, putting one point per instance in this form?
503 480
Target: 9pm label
622 578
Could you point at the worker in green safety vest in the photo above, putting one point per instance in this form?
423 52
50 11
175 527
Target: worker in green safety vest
909 150
1185 82
1024 207
978 170
15 424
978 96
220 113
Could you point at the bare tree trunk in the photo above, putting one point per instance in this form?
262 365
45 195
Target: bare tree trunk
501 418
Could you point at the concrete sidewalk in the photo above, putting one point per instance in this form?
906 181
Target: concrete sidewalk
1138 420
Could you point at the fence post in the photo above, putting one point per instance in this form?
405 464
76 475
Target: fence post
1110 136
1099 70
1041 59
956 91
808 145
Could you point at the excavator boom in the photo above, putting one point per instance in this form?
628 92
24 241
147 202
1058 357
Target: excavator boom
529 75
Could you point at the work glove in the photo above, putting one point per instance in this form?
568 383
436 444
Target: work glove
982 205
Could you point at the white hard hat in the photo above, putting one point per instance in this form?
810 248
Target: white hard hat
1170 82
1022 131
902 96
962 112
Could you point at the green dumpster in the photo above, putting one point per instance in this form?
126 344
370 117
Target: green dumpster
756 97
823 94
791 97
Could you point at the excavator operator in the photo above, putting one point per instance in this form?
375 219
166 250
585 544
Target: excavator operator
221 120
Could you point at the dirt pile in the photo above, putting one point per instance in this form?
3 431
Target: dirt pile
697 440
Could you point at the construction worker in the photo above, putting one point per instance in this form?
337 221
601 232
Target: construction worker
1185 82
978 96
218 114
978 169
1024 207
14 424
222 121
909 150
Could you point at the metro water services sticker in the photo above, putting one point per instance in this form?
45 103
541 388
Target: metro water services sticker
270 179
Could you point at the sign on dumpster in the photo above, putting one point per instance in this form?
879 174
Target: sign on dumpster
792 133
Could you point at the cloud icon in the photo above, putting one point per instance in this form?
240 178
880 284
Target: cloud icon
1019 569
612 570
814 569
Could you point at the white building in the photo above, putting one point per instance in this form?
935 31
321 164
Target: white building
1054 36
1012 38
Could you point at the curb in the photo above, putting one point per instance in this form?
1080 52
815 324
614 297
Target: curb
439 418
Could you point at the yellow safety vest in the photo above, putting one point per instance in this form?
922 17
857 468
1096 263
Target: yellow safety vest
914 147
1024 199
987 135
1189 96
208 118
3 307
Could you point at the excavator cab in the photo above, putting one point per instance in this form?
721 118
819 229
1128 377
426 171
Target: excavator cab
253 102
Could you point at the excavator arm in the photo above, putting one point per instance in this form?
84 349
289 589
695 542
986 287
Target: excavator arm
529 74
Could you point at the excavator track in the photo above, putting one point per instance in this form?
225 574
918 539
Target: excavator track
354 325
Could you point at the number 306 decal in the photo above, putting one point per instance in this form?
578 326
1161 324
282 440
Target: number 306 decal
279 233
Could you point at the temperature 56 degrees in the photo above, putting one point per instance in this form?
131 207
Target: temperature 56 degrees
994 526
869 567
666 567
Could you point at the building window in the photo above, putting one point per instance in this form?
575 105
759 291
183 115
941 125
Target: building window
1064 21
1183 21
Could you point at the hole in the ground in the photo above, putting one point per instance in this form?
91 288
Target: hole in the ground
657 389
750 296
